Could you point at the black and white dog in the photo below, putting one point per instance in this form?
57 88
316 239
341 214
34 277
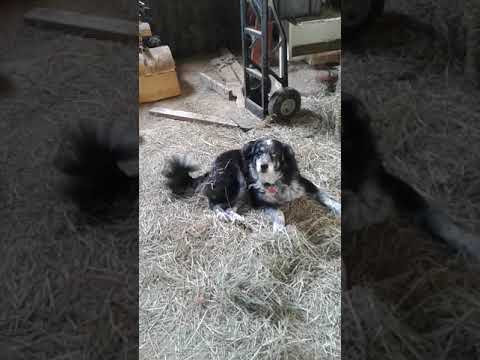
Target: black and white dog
263 174
371 195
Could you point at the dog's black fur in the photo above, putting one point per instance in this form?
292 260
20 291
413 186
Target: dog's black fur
361 160
262 174
90 158
365 180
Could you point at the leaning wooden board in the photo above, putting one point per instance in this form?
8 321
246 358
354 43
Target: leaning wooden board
88 24
189 116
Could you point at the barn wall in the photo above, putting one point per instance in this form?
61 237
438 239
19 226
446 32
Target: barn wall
303 8
200 26
191 27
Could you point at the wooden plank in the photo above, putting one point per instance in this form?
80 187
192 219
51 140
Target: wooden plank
217 86
324 58
90 25
238 70
227 73
232 72
189 116
316 48
232 82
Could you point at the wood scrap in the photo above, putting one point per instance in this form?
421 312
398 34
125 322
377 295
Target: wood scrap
324 58
232 72
190 116
238 69
144 29
217 86
97 26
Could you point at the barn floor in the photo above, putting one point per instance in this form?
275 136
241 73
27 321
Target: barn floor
196 98
412 300
63 276
212 290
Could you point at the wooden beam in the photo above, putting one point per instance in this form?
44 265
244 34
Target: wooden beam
316 48
217 86
189 116
324 58
95 26
232 72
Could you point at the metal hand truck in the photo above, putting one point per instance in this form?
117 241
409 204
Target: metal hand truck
285 102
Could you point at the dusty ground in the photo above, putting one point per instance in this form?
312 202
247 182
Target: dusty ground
63 279
211 290
426 118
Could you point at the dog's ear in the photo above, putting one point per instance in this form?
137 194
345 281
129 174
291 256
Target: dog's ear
288 154
288 158
248 150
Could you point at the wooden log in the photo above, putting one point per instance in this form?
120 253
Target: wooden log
96 26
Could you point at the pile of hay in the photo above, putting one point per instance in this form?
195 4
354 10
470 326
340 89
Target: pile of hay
415 301
63 278
214 290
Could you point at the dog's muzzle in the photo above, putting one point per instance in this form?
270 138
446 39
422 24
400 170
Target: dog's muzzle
270 188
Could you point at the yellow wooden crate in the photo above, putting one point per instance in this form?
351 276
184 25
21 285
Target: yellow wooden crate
156 87
157 75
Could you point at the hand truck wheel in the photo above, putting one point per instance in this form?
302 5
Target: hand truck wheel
284 103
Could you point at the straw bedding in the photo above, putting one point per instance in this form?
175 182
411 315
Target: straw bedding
214 290
410 299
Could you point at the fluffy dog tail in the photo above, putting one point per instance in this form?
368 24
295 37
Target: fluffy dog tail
431 217
179 180
91 158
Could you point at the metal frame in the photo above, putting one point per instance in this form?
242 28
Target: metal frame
262 9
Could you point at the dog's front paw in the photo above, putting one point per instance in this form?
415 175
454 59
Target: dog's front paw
279 227
233 216
228 215
278 219
336 209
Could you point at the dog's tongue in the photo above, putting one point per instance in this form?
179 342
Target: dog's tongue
271 189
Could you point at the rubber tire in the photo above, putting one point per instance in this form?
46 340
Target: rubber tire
376 10
277 99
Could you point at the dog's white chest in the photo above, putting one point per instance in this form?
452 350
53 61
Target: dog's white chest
282 193
368 207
